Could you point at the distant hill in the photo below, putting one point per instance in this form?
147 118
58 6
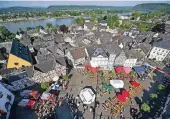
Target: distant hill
19 9
148 7
85 7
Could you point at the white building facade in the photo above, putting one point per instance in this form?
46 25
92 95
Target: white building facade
158 53
130 62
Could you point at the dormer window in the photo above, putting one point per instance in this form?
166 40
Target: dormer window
16 63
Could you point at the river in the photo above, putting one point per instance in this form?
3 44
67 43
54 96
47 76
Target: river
14 27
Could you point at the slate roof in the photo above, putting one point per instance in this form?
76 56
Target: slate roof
7 45
46 66
145 47
17 77
163 44
112 48
91 49
21 51
29 71
61 60
105 37
133 54
58 38
78 53
89 25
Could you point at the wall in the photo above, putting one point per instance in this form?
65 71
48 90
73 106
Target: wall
12 59
158 53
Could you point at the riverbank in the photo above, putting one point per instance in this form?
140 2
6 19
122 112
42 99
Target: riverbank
26 20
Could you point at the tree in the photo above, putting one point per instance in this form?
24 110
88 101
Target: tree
93 17
28 28
54 28
90 73
133 73
99 19
44 85
66 77
112 21
64 28
136 14
145 107
161 87
5 34
153 96
112 73
49 25
143 17
80 20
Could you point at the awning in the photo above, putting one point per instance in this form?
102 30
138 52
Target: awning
33 94
92 69
139 69
123 96
30 104
125 70
134 83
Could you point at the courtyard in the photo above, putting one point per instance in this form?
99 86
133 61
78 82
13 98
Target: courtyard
80 80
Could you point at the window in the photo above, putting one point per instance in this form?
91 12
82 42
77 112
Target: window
16 63
163 50
9 97
1 95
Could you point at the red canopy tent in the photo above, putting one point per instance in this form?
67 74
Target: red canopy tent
125 70
33 94
92 69
30 104
123 96
134 83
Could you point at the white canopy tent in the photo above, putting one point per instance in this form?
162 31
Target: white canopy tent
56 78
87 96
117 83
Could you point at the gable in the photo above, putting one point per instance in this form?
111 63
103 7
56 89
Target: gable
16 62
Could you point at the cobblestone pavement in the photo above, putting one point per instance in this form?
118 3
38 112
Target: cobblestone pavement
75 86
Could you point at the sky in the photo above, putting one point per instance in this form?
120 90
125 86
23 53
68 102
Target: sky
78 2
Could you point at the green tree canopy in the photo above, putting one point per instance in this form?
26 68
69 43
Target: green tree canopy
5 34
112 73
112 21
133 73
49 25
44 85
54 28
80 20
143 17
161 87
93 17
153 96
145 107
66 77
136 14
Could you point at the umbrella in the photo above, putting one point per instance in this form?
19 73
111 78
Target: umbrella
117 83
55 86
87 96
55 78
